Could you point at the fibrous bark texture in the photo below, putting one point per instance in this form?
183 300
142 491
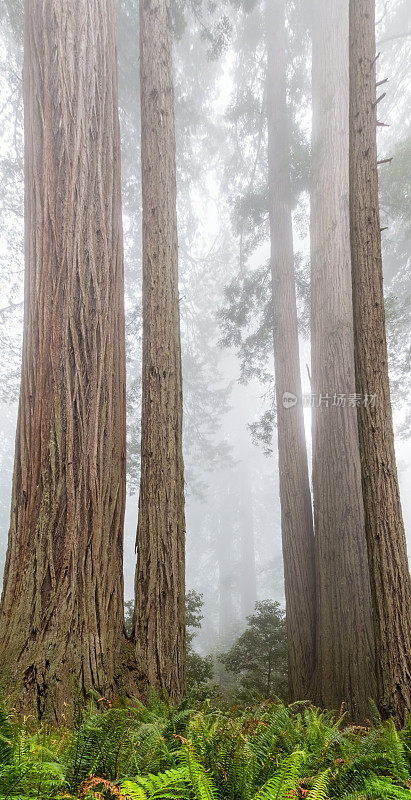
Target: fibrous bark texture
387 553
296 512
62 602
345 650
159 582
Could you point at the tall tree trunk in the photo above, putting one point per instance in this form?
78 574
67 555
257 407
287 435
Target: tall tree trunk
344 634
160 580
387 552
248 580
62 602
224 542
296 512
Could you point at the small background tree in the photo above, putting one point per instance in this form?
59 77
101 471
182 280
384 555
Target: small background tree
199 668
259 656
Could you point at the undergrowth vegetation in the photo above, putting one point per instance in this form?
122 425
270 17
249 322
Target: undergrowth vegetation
155 752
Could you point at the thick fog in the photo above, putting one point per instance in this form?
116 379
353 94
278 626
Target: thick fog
230 450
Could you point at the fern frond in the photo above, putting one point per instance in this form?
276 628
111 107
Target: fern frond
132 791
378 789
201 781
395 750
319 789
284 781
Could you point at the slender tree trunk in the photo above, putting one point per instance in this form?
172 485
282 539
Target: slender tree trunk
387 552
160 582
62 602
248 580
296 512
344 636
269 678
226 568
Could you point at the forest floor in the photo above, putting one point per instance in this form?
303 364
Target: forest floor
267 752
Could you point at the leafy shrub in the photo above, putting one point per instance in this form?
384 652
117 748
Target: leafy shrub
259 656
199 668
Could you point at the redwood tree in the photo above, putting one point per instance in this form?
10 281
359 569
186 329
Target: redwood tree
296 512
345 652
62 603
160 581
387 552
246 524
222 526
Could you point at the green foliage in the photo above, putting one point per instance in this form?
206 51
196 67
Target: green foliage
31 764
168 784
259 656
154 751
194 605
199 668
128 616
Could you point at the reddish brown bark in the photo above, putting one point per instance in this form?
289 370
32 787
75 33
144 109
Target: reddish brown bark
387 551
62 602
296 513
345 665
160 579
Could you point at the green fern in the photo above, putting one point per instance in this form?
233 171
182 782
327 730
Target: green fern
6 735
320 787
156 752
164 785
201 781
280 786
132 791
378 789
